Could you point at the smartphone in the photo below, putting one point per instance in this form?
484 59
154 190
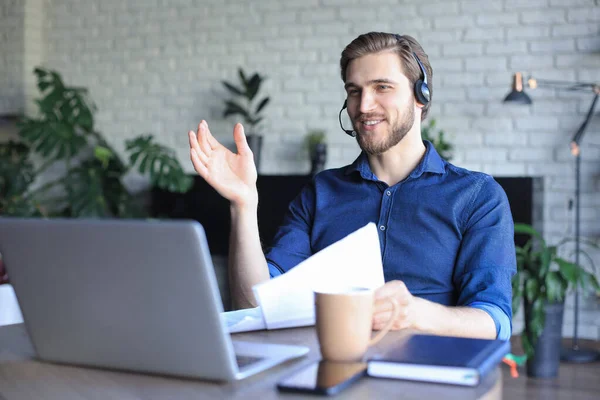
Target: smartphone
323 377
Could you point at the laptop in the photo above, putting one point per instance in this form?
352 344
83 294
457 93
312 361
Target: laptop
131 295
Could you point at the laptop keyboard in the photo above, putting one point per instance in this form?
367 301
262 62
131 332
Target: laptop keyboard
244 361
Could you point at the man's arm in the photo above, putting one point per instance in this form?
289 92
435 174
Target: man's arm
429 317
247 264
234 177
484 267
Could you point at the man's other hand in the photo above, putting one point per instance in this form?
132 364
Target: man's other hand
408 314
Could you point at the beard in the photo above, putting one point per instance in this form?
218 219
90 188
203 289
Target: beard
395 133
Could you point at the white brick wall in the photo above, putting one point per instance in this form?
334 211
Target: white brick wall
12 39
155 66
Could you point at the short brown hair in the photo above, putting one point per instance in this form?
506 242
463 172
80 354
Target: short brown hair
403 45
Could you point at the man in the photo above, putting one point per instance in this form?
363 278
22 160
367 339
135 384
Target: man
446 233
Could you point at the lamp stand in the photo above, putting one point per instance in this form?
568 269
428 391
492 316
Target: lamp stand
574 353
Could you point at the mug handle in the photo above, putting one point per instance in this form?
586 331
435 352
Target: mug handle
386 329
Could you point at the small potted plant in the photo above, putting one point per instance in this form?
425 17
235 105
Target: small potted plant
247 104
441 145
316 146
541 282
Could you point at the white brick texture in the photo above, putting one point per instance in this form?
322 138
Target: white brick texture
155 67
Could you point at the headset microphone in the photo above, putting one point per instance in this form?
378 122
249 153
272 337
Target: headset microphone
348 132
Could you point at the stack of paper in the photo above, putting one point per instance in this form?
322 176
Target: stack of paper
288 300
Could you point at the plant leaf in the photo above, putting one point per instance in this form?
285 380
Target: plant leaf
546 256
242 77
527 346
568 270
588 281
233 89
253 86
262 105
556 286
532 288
234 108
529 230
160 162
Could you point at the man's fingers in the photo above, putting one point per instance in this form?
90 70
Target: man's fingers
392 288
203 133
239 137
199 165
383 305
212 142
193 138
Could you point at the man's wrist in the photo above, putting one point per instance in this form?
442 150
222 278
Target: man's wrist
423 314
248 205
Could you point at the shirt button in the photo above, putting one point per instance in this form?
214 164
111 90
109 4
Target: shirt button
388 193
382 227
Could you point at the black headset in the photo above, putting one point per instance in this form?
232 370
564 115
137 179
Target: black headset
421 91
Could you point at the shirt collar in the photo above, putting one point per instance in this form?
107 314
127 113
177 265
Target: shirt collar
431 162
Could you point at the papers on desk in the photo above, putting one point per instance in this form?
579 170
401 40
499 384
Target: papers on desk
246 320
288 300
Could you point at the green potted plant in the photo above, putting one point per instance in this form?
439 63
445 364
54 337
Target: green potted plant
316 145
247 104
541 282
64 132
438 139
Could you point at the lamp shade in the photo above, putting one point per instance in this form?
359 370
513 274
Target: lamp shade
517 95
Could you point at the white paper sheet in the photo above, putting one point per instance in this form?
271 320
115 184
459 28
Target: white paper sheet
354 261
246 320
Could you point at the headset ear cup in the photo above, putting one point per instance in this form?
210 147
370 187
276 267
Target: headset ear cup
422 92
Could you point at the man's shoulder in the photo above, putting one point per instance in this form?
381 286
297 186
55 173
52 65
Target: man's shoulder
481 185
456 172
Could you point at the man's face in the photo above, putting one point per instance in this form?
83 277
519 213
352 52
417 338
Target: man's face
380 101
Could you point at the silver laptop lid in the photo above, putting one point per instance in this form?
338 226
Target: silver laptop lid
127 294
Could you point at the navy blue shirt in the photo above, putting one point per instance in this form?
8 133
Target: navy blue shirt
444 231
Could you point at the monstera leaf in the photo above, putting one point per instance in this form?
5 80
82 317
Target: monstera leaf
52 139
66 118
84 186
160 162
95 189
61 103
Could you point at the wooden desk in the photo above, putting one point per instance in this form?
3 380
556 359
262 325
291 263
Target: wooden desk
23 377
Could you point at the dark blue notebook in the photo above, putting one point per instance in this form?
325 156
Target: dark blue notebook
442 359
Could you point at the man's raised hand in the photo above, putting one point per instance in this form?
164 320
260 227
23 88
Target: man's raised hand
232 175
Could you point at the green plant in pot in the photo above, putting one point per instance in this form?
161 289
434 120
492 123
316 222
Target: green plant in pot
438 139
90 183
316 145
541 282
247 104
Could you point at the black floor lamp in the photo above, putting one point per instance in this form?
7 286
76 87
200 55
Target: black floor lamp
574 353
